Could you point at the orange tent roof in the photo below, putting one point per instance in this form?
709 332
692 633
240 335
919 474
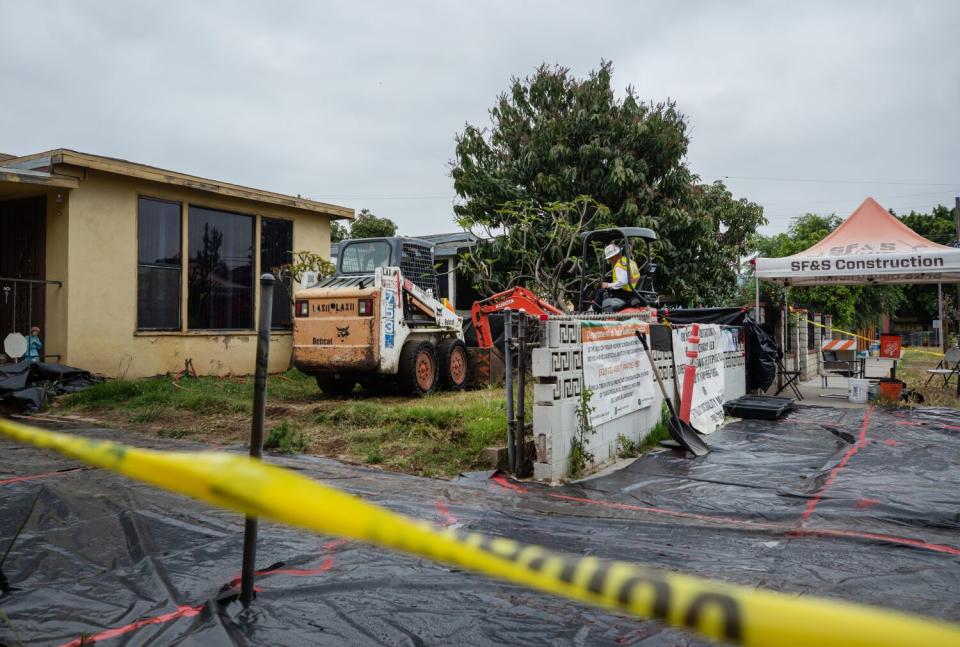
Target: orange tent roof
871 246
871 226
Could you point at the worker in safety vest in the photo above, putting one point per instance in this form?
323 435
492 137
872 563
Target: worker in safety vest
626 279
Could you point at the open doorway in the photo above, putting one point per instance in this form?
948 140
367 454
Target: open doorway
22 265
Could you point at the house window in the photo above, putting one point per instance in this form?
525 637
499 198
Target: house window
220 274
276 249
159 265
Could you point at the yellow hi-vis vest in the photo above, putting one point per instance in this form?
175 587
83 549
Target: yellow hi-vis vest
633 273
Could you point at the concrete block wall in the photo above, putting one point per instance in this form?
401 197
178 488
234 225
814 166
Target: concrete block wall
817 364
558 372
803 350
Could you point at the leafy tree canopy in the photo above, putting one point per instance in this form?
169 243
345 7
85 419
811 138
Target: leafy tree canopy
338 231
554 138
553 272
367 225
939 226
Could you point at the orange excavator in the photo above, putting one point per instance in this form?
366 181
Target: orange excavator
518 299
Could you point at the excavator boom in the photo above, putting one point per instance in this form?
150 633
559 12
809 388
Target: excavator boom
518 298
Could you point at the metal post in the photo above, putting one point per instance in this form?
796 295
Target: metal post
519 432
248 570
941 338
508 380
956 307
756 311
784 331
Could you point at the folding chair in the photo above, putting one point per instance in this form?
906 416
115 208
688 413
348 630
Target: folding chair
947 368
830 365
791 379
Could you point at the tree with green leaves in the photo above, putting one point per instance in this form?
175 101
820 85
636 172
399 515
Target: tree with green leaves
554 138
940 227
367 225
553 229
338 231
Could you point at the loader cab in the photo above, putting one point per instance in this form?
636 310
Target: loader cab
359 258
636 244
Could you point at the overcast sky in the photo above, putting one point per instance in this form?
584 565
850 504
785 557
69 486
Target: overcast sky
358 103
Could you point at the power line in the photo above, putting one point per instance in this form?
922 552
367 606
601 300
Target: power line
887 197
788 179
917 208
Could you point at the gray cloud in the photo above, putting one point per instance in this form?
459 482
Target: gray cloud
358 103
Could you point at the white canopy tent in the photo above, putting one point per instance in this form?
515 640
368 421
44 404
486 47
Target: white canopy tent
871 246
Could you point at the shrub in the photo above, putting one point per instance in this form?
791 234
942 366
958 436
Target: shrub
286 439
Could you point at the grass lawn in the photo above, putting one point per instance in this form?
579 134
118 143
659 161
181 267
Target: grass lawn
440 435
912 370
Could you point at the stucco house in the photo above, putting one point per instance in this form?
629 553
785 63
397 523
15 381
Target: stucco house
129 270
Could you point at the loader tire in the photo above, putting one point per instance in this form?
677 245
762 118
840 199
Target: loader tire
337 387
454 365
418 374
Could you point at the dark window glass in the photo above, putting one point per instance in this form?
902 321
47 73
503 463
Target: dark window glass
443 284
276 249
466 293
220 275
364 257
159 265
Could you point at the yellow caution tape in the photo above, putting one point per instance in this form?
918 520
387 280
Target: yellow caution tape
732 613
872 341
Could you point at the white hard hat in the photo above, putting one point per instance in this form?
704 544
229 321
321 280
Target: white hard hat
610 251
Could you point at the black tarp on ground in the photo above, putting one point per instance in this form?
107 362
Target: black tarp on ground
25 385
829 502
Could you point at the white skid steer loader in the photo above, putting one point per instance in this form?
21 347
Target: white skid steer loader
376 320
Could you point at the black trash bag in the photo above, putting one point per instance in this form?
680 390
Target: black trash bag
13 376
28 400
26 385
762 354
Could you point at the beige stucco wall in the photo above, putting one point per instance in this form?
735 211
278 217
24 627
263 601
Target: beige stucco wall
102 283
56 317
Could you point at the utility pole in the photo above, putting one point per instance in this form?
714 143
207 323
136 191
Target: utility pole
956 308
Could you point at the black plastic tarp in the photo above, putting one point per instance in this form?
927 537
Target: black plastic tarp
849 504
721 316
25 385
761 356
761 350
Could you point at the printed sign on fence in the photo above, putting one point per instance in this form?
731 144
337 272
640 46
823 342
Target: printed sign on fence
706 410
615 369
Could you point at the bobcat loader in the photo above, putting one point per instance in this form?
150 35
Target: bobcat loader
377 321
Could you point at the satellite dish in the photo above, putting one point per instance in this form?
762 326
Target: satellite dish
15 345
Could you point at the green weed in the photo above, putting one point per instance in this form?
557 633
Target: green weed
284 438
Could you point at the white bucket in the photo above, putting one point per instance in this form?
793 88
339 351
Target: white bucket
859 390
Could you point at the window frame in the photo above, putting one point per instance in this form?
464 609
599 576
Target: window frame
278 285
255 263
358 243
139 327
